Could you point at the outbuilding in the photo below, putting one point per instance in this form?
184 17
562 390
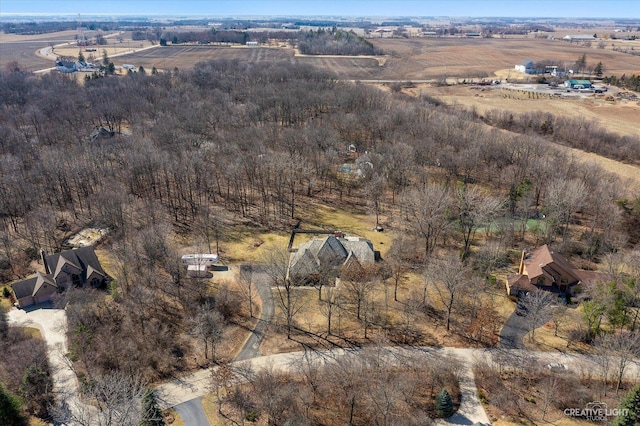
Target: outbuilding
578 84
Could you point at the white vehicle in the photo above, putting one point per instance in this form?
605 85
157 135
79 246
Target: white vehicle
200 259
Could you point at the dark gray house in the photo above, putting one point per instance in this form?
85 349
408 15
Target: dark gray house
78 267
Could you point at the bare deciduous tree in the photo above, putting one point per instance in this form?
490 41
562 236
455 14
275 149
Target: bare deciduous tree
450 278
538 306
427 209
623 347
109 400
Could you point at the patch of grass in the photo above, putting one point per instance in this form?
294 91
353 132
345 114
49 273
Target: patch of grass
33 332
210 407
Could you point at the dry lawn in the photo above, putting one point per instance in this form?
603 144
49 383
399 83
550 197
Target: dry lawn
546 341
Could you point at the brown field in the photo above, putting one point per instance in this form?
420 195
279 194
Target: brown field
186 56
23 48
435 57
417 59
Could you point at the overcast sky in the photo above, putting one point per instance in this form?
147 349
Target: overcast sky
355 8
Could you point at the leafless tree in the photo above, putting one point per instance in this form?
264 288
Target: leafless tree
563 199
244 279
427 208
288 299
450 278
207 326
109 400
538 307
623 348
475 209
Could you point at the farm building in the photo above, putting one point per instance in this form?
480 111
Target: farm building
76 267
578 84
66 66
527 67
252 43
579 38
330 256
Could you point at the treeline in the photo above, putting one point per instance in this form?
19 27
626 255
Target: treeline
630 83
573 132
335 42
212 36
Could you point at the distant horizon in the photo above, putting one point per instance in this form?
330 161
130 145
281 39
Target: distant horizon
542 9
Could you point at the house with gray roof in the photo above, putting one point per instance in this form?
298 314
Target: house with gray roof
329 256
78 267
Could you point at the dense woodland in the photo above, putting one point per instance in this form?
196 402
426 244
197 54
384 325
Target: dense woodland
229 143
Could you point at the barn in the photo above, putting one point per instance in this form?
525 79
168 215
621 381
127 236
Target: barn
578 84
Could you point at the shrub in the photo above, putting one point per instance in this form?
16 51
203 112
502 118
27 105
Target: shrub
6 293
444 404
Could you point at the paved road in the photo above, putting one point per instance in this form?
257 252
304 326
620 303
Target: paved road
262 282
182 392
514 330
192 413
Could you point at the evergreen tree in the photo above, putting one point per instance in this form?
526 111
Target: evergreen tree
10 409
141 70
80 56
151 413
581 63
4 325
444 404
629 409
598 70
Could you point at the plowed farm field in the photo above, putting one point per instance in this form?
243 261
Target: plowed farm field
424 58
186 56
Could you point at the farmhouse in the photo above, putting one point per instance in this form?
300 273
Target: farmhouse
329 256
76 267
527 67
544 269
578 84
66 66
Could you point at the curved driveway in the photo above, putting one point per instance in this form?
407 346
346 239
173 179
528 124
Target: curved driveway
262 282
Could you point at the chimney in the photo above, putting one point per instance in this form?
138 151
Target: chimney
521 268
43 256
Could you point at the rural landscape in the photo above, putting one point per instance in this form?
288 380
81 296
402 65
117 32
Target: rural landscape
319 221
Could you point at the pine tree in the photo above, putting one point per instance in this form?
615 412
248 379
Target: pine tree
598 70
629 409
444 404
4 325
151 413
10 409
